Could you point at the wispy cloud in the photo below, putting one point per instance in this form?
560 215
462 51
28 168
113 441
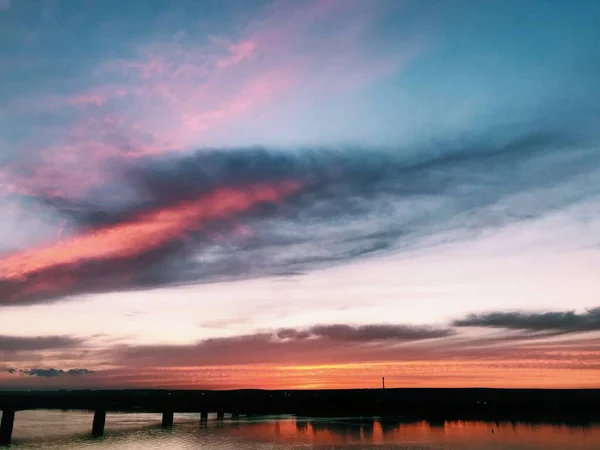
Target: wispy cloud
427 353
358 344
367 333
167 94
561 322
18 344
252 212
319 345
63 267
51 373
110 195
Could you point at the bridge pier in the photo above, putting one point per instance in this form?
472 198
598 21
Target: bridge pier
6 426
167 419
220 415
99 422
235 415
203 416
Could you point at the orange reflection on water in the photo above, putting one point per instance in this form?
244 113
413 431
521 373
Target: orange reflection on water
457 434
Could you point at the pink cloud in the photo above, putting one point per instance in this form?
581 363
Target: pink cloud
65 266
201 90
4 5
239 52
254 93
95 96
297 359
147 69
177 94
89 99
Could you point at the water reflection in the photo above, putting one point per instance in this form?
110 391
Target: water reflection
52 430
462 434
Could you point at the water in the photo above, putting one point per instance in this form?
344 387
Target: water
70 430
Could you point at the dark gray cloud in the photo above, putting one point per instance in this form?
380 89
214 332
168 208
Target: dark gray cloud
356 202
365 333
290 333
51 373
368 333
363 202
558 322
17 343
334 175
78 371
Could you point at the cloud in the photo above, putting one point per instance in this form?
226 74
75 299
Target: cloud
46 373
18 343
365 333
320 344
56 268
369 333
342 344
4 5
180 90
51 373
336 352
561 322
239 52
158 95
236 213
108 195
79 371
290 333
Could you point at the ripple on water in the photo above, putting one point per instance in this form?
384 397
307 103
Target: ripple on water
70 430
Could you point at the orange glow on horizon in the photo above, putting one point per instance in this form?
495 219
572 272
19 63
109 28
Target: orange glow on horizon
431 374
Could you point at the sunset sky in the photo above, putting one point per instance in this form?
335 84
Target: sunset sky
299 193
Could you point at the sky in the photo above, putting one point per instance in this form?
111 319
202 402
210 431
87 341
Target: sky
292 194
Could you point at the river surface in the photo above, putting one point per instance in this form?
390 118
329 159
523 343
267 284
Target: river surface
70 430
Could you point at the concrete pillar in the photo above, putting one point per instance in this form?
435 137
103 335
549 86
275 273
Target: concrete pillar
203 416
99 421
6 426
235 415
220 415
167 419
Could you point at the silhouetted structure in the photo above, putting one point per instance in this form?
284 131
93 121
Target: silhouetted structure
167 419
6 425
99 422
566 406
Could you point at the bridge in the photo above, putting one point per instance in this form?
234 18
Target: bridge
429 404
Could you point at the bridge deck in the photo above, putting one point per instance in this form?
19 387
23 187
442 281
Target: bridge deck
430 404
361 401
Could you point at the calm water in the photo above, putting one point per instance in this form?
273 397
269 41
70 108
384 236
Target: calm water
51 430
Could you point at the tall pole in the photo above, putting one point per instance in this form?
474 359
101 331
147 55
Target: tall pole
382 382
